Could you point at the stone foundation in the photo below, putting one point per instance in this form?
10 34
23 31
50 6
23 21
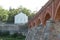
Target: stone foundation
35 33
50 32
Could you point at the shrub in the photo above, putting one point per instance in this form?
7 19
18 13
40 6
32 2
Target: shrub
5 33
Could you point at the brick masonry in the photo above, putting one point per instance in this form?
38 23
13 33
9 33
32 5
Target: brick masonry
50 29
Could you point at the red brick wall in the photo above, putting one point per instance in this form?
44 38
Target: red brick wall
50 7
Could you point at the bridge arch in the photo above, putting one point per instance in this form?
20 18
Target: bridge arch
38 21
33 24
30 25
57 13
47 17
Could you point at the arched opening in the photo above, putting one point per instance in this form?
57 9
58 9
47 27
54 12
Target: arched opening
29 26
47 17
33 24
57 17
38 21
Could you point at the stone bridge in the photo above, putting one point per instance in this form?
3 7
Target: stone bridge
46 23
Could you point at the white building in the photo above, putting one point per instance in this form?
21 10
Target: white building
20 18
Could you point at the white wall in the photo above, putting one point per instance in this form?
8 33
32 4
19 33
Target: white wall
21 18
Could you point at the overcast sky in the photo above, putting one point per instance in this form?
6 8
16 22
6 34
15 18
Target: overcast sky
33 5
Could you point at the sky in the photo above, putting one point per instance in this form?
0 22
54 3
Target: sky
33 5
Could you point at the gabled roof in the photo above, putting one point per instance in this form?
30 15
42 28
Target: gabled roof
21 13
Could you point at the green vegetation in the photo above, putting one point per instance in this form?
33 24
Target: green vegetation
7 36
7 16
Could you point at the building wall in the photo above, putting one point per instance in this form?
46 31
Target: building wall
21 18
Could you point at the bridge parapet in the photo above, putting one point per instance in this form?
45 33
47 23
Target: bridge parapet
50 7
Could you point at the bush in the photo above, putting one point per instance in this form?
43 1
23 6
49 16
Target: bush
21 36
14 35
5 33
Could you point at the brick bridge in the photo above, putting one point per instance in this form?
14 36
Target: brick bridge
46 23
50 10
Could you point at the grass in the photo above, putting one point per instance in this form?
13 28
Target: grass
12 38
15 36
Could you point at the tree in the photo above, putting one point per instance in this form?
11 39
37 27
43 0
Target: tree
8 16
3 14
13 12
31 16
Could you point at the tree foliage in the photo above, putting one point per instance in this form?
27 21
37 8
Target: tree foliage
8 15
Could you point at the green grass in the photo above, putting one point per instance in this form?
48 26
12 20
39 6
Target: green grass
15 36
11 38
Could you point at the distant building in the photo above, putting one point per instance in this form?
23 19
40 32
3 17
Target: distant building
21 18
